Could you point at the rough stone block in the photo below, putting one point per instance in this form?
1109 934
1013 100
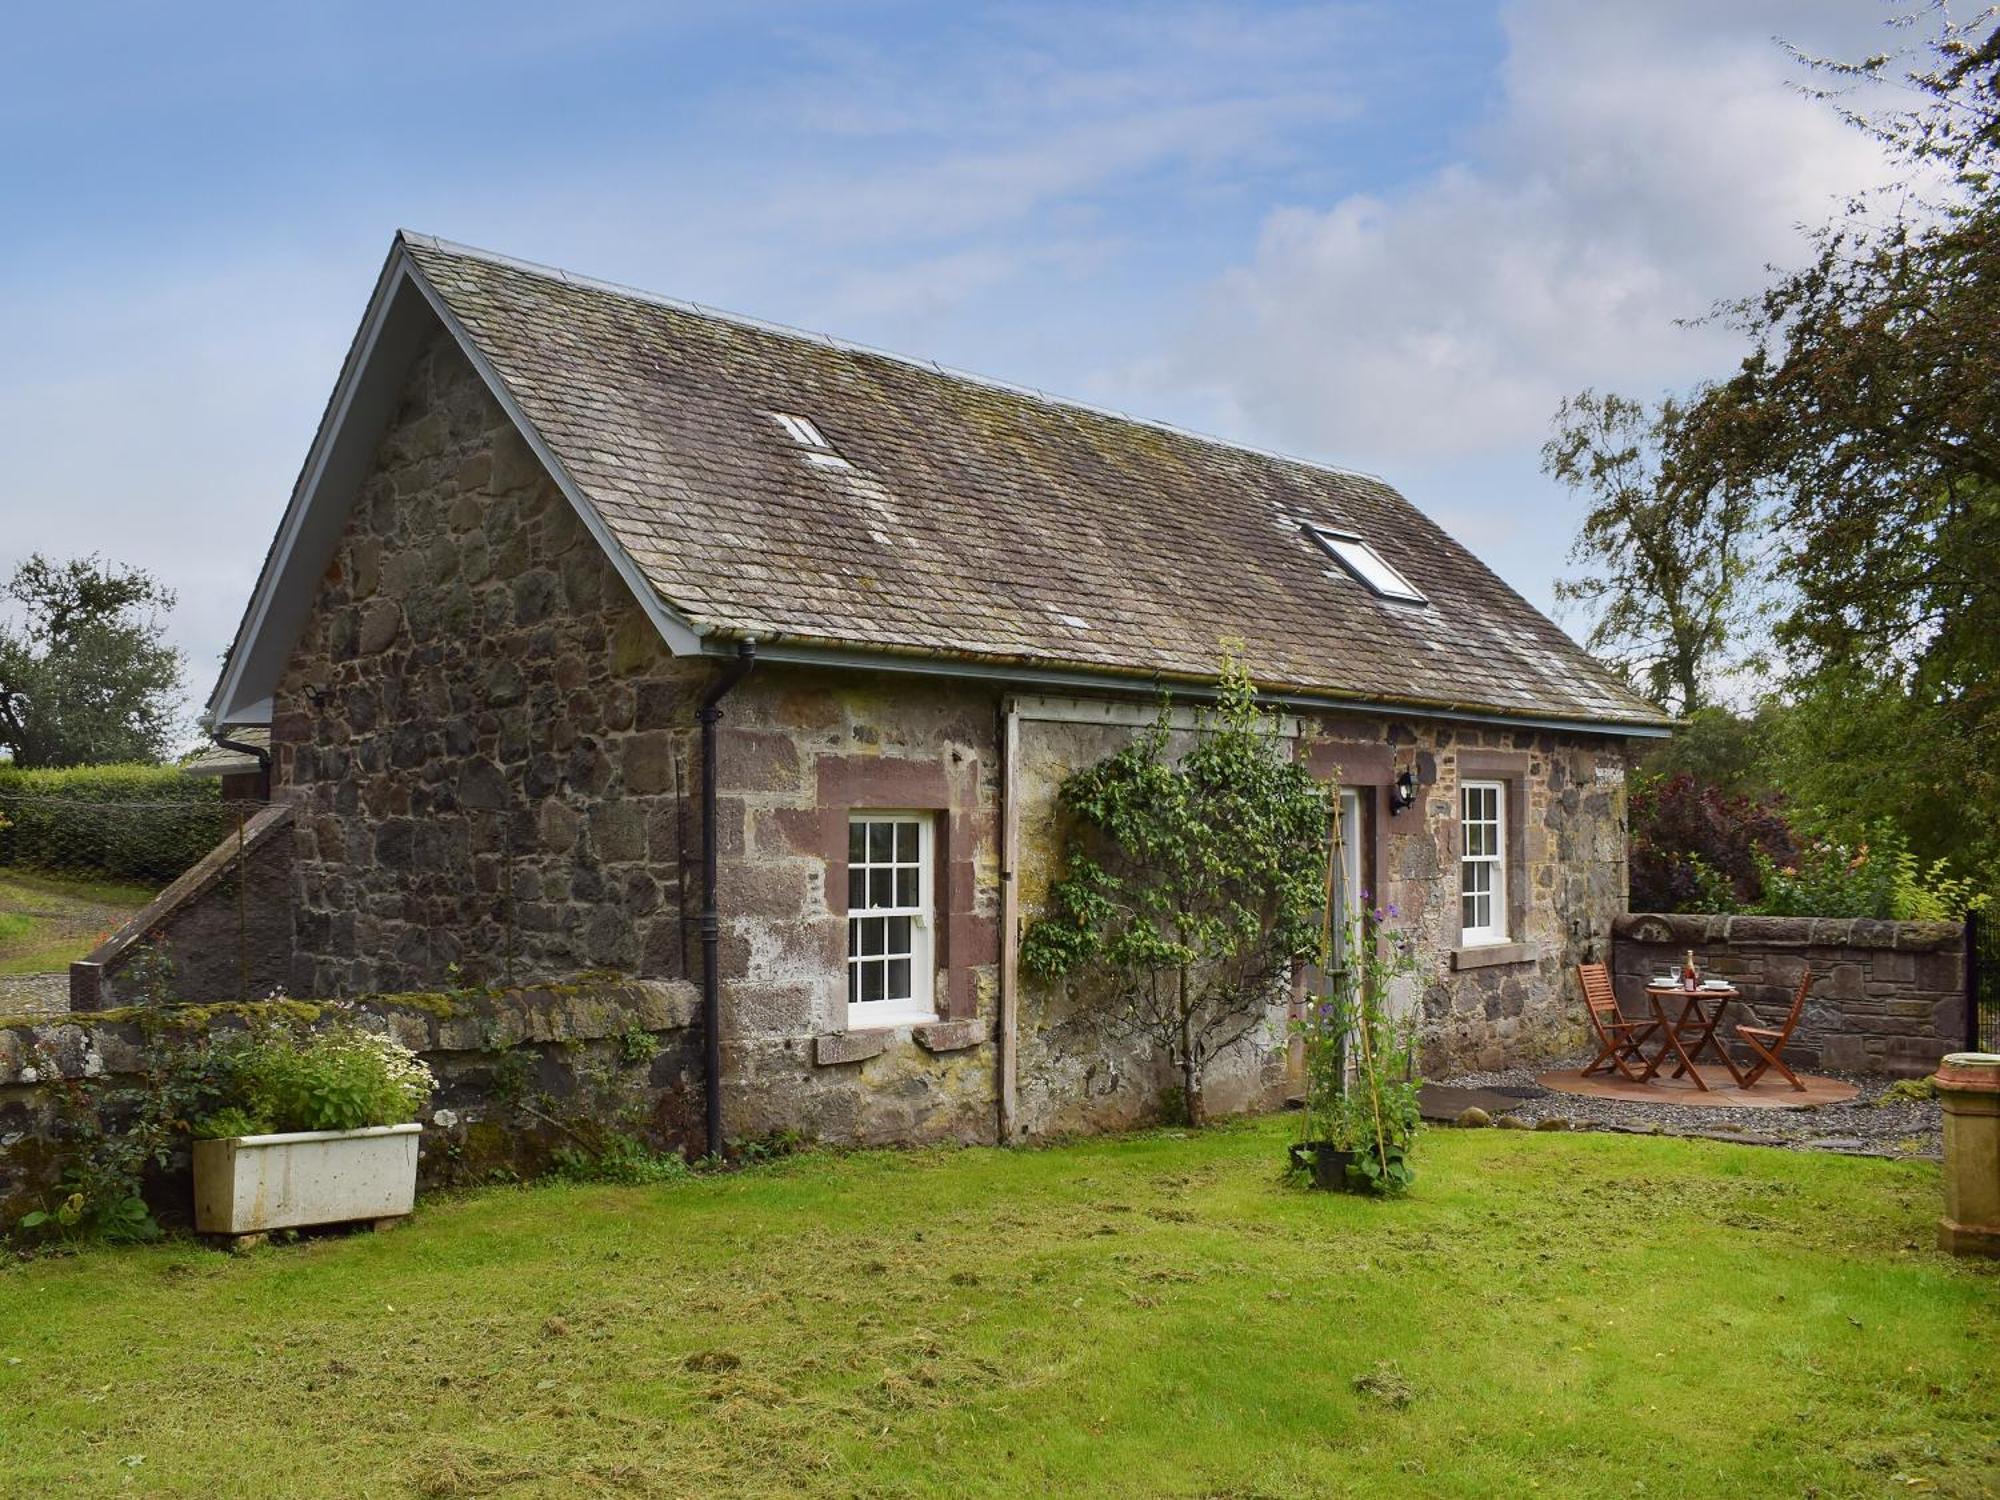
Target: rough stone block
754 760
950 1036
775 1010
648 761
618 832
380 621
1930 937
1771 932
850 1046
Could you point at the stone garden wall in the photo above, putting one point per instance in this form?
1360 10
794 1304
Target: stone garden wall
521 1073
222 931
1886 997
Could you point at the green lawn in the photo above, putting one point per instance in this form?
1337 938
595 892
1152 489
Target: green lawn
48 920
1567 1315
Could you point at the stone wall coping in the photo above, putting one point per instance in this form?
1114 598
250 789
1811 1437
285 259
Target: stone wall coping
90 1042
1693 929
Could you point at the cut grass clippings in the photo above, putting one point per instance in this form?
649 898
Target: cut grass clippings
1161 1314
46 921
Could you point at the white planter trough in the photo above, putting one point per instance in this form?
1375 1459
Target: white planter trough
247 1184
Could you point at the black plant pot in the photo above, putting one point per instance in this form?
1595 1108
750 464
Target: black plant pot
1327 1165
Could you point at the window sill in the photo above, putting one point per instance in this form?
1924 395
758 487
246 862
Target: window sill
952 1036
850 1046
1488 955
872 1037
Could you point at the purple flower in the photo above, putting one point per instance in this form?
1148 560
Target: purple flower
1392 910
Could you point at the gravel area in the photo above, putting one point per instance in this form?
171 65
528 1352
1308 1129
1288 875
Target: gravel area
1861 1127
34 994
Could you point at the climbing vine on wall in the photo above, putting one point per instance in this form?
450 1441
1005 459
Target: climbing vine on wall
1193 884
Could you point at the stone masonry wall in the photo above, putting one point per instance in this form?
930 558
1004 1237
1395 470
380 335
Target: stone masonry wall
1565 813
1886 997
485 739
495 774
800 750
1074 1074
517 1071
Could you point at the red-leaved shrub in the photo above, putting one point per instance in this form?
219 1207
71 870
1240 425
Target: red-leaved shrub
1693 847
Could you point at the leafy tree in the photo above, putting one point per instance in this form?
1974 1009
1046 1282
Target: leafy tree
1722 748
1867 417
1669 546
1856 747
84 675
1194 884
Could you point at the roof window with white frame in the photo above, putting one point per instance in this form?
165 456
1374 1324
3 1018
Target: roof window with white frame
1365 563
810 441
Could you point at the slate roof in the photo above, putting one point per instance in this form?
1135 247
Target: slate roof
981 521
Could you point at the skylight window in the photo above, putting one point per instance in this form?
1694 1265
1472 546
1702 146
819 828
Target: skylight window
1366 564
811 440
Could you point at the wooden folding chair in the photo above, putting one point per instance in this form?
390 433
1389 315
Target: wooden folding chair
1618 1040
1769 1045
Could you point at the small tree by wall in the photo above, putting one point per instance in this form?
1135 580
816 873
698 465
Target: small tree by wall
1194 885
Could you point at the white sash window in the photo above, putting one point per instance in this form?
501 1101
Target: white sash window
890 972
1482 862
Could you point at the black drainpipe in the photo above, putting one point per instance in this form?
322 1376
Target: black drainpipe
709 715
263 757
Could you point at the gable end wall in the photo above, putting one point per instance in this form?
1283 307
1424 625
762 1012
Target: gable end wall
486 740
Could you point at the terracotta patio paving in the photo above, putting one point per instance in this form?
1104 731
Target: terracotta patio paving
1767 1093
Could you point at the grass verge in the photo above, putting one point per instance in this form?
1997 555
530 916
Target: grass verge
1154 1315
48 920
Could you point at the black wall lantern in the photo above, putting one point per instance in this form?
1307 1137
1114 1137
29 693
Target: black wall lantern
1403 794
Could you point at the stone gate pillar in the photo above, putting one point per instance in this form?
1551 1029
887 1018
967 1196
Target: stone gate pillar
1968 1083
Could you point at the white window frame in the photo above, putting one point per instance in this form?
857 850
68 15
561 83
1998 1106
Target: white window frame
920 1003
1369 567
811 441
1494 861
1347 873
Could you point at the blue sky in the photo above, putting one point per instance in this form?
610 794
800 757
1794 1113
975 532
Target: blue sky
1388 235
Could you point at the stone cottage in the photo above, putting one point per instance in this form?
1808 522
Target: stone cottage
583 592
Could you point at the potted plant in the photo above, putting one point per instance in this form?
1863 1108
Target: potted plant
311 1127
1361 1087
1325 1149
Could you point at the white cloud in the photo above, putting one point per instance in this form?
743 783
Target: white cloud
1642 162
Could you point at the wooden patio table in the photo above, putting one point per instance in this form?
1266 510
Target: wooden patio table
1696 1024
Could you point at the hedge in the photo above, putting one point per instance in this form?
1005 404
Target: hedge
139 823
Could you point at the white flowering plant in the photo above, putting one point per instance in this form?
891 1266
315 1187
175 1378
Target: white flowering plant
340 1077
